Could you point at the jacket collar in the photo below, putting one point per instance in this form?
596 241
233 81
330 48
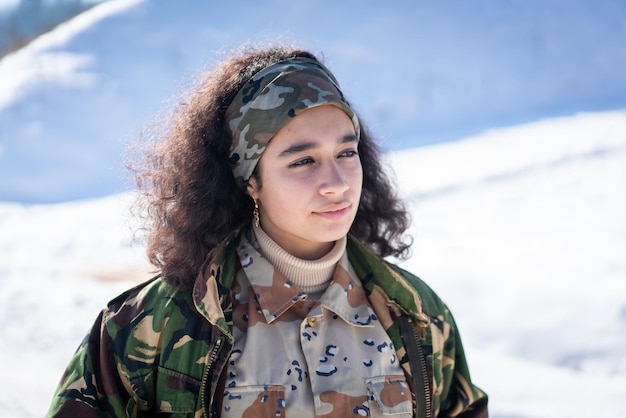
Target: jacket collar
377 275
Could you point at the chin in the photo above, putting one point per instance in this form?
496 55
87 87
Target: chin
333 236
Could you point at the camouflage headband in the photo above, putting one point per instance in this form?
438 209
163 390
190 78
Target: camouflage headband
269 100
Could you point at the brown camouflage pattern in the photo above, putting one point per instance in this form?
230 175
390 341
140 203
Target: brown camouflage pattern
330 356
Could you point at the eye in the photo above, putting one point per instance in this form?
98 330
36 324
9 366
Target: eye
349 153
302 162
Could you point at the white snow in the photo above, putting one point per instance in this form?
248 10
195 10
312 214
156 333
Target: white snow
531 257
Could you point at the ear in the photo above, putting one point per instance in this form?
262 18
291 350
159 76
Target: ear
252 187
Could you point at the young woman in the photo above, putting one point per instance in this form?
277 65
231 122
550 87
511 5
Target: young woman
269 216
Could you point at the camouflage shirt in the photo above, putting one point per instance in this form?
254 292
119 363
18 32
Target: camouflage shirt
326 356
158 349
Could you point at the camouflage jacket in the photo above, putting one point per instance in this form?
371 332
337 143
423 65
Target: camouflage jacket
157 349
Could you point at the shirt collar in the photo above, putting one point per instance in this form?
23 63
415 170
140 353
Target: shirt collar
346 297
276 294
272 290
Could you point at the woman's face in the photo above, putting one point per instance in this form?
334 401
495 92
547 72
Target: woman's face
310 182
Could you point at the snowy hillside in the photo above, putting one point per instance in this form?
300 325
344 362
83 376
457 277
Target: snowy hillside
23 20
520 230
420 73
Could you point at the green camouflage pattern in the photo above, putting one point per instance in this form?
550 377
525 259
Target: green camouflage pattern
395 293
154 349
269 100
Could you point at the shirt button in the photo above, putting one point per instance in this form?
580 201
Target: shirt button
311 320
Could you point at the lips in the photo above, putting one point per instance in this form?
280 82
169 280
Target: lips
335 211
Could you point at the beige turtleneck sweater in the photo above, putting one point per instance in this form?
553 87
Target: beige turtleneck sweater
313 276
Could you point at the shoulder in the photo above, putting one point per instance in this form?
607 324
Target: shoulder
148 296
155 324
403 287
139 315
431 301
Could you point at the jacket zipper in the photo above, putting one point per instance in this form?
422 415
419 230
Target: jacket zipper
416 353
207 395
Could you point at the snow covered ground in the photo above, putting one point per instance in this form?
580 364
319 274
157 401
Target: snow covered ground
521 230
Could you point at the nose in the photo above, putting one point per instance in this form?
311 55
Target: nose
333 179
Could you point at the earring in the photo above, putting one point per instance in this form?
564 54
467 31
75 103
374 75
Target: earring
255 213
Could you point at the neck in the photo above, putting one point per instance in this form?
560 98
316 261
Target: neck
312 276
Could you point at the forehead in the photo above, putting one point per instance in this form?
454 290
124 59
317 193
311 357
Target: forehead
326 122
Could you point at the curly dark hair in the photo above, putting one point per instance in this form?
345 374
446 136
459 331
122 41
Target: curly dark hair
188 198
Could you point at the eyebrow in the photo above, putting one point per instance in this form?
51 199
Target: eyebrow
305 146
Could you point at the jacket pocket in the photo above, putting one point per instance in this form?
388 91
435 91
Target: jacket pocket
389 395
176 393
256 401
169 392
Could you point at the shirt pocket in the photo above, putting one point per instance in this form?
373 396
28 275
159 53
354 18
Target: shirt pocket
389 396
255 401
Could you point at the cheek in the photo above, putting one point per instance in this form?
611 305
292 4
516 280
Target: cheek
294 184
284 206
282 192
356 178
